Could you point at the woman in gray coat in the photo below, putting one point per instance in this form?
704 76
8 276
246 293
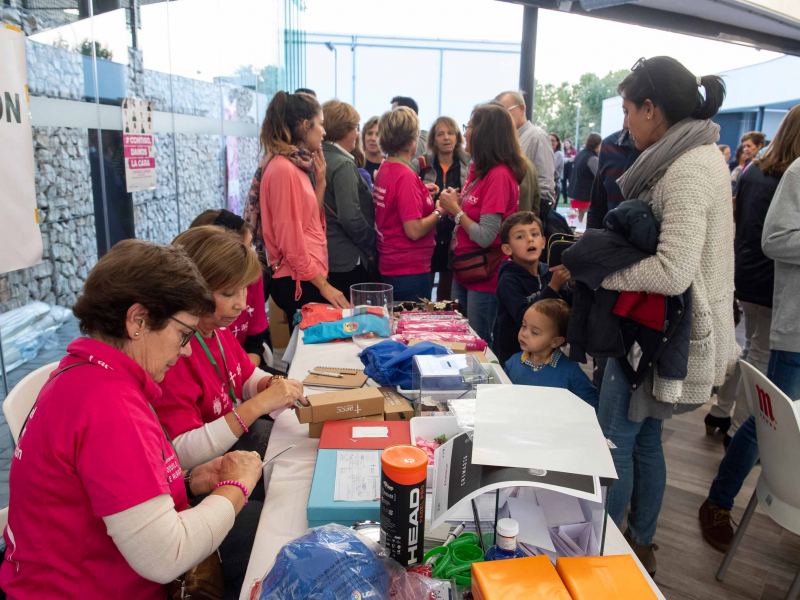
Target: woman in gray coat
444 164
349 212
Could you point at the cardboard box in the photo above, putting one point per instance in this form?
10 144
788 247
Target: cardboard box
395 407
518 579
456 347
315 429
604 578
278 326
339 405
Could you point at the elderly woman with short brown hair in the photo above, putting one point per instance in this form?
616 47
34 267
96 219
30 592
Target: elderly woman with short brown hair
119 526
349 213
405 214
215 395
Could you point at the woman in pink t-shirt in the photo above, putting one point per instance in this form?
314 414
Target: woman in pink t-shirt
98 506
251 329
405 214
292 221
213 397
490 195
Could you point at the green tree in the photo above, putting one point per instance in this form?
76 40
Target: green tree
556 108
100 51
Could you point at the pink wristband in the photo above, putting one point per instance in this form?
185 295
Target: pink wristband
237 484
238 418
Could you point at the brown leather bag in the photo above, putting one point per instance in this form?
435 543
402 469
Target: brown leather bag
477 266
203 582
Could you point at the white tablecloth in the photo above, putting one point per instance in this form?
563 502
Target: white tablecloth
289 477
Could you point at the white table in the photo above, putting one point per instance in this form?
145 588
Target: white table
289 477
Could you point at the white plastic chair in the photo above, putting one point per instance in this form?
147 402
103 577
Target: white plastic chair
20 400
3 519
778 487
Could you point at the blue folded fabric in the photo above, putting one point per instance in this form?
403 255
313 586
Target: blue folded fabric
390 362
343 328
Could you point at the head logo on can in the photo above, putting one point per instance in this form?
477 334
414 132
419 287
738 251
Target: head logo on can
356 595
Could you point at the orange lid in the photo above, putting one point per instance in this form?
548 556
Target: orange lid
405 464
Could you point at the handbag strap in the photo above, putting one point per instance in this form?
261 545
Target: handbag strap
60 371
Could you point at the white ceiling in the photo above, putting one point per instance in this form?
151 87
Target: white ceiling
775 17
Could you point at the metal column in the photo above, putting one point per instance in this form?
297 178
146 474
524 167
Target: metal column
760 119
527 59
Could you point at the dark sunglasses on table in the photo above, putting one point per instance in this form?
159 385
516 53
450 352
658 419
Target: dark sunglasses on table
642 62
185 337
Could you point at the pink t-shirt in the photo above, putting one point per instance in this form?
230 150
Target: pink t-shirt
253 319
399 195
91 448
497 193
194 393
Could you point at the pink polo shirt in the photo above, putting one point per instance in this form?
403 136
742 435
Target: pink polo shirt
194 393
253 319
399 195
91 448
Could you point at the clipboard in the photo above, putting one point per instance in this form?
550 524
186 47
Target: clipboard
351 378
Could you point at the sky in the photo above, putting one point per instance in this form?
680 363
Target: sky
567 45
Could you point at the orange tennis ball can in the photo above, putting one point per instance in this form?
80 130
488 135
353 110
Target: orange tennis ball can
403 472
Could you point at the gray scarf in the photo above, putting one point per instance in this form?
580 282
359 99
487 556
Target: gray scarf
649 168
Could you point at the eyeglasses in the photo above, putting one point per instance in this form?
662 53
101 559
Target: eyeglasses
465 127
185 337
358 127
510 108
642 62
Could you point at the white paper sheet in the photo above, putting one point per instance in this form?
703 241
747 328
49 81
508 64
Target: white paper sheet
532 524
559 509
451 364
358 476
370 432
582 537
532 427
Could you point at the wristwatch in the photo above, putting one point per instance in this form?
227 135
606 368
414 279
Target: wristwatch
438 213
458 217
187 481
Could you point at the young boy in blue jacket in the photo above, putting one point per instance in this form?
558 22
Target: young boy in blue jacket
541 362
523 280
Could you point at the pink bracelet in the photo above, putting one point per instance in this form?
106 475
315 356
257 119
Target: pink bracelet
238 418
237 484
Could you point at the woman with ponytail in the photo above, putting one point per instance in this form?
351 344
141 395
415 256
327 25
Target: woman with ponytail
682 176
285 208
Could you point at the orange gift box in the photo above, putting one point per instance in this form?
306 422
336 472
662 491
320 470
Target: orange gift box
517 579
604 578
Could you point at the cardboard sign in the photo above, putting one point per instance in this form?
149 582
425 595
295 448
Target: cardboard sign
395 407
457 347
20 238
138 144
336 406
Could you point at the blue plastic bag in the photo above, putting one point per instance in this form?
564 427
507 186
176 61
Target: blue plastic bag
345 328
390 362
333 563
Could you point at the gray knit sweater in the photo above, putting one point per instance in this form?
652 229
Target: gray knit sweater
781 242
693 204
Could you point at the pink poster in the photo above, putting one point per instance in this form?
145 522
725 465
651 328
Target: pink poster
138 144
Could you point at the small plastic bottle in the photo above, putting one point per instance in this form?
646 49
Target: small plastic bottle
507 531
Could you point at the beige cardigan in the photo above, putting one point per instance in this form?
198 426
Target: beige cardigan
693 204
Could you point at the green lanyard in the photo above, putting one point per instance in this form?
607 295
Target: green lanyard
169 439
225 380
471 185
394 159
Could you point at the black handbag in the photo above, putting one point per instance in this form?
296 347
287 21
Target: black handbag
557 243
